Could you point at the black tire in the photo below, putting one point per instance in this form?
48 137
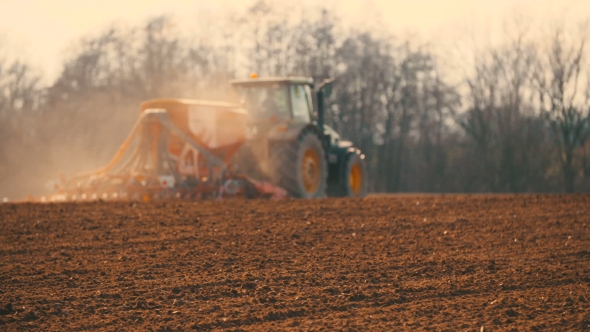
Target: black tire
346 187
287 159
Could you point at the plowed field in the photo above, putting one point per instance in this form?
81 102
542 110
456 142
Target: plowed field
382 263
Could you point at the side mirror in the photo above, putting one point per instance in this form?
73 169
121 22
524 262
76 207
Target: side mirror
326 86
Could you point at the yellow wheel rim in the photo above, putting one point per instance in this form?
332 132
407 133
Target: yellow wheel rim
355 178
310 171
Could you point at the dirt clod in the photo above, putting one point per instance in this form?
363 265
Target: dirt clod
31 315
7 310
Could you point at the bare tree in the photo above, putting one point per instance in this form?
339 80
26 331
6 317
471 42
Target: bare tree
564 98
20 99
359 105
435 99
501 122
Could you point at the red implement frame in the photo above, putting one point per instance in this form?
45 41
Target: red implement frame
144 169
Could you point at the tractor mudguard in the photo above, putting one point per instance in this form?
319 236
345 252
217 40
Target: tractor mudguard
289 132
336 153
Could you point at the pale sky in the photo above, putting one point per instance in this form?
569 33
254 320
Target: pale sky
42 29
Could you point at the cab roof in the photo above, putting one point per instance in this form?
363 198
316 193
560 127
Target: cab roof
280 80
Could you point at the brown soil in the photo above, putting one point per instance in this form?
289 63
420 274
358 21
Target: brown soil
382 263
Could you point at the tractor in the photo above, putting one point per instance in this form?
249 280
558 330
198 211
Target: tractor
289 143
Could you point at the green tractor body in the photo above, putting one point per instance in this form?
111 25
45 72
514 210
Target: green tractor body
289 142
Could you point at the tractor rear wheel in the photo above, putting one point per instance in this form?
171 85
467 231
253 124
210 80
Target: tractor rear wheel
353 178
300 167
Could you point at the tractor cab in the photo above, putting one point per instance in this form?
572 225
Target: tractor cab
283 99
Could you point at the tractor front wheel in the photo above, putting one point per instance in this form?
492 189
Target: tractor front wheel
353 179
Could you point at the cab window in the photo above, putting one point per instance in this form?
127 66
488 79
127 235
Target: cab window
265 101
300 102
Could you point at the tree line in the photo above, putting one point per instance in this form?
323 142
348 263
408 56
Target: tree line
517 120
